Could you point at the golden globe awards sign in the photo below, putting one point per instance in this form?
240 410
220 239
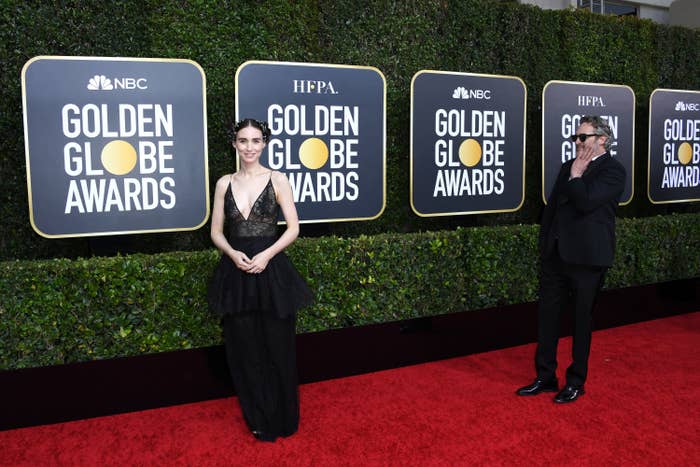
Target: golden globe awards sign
563 105
328 134
674 146
115 145
467 143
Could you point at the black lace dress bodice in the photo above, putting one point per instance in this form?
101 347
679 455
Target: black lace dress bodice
262 219
279 289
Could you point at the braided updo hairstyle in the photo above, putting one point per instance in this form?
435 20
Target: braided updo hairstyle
246 122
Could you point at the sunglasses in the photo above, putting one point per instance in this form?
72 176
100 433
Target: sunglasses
582 137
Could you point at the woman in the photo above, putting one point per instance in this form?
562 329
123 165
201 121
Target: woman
255 289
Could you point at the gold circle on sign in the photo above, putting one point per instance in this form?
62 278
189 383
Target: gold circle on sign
118 157
685 153
470 152
313 153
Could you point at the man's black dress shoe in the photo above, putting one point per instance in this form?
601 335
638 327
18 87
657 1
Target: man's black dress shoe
537 387
569 394
262 436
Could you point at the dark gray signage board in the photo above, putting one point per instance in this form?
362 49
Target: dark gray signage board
115 145
467 143
674 146
563 105
328 126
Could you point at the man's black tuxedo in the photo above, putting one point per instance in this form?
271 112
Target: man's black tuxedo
580 213
577 245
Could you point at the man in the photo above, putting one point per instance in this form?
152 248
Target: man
577 245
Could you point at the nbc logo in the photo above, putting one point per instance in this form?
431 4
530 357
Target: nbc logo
682 106
464 93
100 82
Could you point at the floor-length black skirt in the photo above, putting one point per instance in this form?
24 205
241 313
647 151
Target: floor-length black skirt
261 354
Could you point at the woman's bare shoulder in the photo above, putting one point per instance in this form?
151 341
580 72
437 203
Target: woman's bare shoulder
279 178
224 180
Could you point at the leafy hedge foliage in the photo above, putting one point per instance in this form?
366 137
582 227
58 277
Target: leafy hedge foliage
60 311
399 38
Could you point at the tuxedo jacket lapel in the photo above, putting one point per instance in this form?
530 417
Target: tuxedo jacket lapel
593 166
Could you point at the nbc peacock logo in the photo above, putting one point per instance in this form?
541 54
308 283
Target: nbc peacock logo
463 93
100 83
687 106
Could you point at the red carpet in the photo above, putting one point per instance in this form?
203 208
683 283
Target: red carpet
641 408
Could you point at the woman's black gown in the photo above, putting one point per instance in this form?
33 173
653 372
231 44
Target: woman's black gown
258 313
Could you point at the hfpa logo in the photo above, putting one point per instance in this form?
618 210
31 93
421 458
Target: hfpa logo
102 83
307 86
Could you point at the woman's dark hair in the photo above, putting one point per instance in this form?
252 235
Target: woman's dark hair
246 122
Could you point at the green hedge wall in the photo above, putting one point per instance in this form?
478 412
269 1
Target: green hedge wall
399 38
60 311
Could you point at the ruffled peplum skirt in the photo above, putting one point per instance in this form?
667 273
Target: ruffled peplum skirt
279 290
